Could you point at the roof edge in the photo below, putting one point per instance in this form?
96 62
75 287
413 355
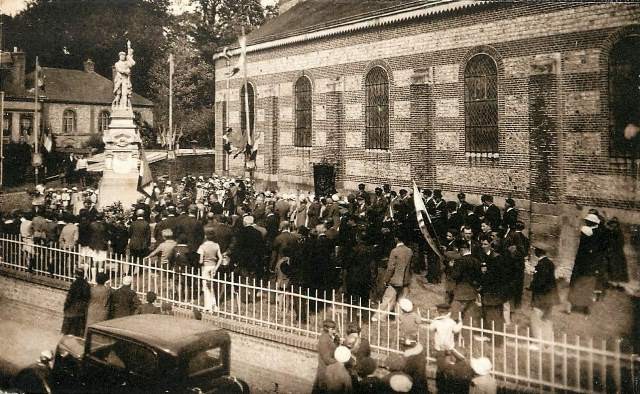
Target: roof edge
364 22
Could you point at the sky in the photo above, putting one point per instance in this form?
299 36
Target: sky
12 7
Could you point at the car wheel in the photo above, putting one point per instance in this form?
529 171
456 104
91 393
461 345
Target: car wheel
30 382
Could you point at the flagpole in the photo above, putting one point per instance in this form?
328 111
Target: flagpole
35 124
246 104
2 139
171 101
226 154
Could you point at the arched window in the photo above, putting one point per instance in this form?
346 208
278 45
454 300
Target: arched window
243 109
377 109
481 104
69 121
624 95
303 112
103 121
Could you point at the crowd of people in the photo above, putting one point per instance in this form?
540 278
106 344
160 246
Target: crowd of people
364 244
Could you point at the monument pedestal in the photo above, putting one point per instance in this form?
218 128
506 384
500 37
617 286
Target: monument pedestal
121 161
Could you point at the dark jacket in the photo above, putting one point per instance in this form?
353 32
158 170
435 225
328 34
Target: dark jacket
510 218
75 304
416 365
139 235
124 302
191 229
98 235
283 246
494 281
466 275
248 250
544 290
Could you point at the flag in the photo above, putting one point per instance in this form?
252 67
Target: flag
421 212
237 141
241 60
145 179
171 64
47 142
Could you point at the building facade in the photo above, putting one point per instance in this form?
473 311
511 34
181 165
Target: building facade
73 105
527 100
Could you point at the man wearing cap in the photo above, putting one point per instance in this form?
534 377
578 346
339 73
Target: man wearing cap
139 236
75 305
326 349
124 301
483 382
337 377
589 265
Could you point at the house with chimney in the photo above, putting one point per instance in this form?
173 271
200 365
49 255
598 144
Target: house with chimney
73 105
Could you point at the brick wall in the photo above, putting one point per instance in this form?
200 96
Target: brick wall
552 109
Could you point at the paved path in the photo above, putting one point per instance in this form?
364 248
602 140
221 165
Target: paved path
23 336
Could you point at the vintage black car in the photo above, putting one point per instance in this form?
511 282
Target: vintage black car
137 354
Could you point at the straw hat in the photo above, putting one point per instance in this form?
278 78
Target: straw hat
481 366
400 383
406 305
342 354
592 218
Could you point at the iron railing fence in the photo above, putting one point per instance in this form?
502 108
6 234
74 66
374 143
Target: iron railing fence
556 362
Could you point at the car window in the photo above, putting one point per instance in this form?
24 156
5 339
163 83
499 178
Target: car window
122 354
204 361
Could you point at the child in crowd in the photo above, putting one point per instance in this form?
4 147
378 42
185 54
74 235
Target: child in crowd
483 382
410 320
445 328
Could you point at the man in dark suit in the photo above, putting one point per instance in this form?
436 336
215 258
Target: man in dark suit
168 221
247 250
516 247
99 237
466 275
193 230
544 290
493 285
463 206
437 208
510 214
124 301
488 211
283 245
139 236
456 219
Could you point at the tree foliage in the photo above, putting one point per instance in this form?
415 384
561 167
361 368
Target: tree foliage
65 33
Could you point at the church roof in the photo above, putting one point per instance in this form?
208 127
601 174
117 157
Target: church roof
77 86
309 19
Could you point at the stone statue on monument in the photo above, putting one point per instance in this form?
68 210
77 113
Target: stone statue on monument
122 89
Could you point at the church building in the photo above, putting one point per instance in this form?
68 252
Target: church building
528 100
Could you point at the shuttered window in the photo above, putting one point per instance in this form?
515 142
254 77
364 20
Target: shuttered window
303 112
377 109
481 104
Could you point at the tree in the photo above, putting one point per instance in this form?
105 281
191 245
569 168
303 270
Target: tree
66 33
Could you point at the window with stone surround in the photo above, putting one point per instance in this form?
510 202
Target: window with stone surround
303 112
377 109
250 102
103 121
624 96
6 126
69 121
26 124
481 104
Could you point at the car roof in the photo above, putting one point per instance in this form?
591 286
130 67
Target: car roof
167 333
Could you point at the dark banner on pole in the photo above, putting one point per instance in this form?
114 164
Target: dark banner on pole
324 179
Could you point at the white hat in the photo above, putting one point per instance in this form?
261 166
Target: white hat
168 182
400 383
592 218
127 280
481 366
342 354
405 304
335 197
247 220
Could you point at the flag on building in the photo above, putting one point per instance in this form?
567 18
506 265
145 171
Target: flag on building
47 141
421 213
237 141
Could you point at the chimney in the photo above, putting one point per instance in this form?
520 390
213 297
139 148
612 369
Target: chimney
89 66
15 62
